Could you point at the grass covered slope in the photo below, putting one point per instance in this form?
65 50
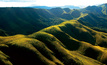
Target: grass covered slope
69 43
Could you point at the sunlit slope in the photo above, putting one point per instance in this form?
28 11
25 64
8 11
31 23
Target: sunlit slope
77 37
69 43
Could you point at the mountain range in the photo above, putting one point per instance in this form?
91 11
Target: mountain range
56 36
47 7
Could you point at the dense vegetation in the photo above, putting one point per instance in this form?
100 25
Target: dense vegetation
69 43
26 20
29 20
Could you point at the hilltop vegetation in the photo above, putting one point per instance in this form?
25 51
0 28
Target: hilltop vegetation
69 43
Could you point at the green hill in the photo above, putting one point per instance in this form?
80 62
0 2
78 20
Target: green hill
69 43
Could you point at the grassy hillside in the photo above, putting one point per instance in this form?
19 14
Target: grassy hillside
69 43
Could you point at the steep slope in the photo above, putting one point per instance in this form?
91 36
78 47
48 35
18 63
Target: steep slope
69 43
94 22
96 17
27 20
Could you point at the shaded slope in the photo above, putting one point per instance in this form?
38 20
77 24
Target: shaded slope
69 43
98 10
65 13
27 20
94 22
3 33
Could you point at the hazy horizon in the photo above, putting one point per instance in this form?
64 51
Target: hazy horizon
50 3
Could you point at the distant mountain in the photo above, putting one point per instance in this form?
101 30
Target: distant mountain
98 10
46 7
71 7
67 10
65 13
42 7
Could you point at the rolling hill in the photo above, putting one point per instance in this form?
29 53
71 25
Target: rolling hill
69 43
